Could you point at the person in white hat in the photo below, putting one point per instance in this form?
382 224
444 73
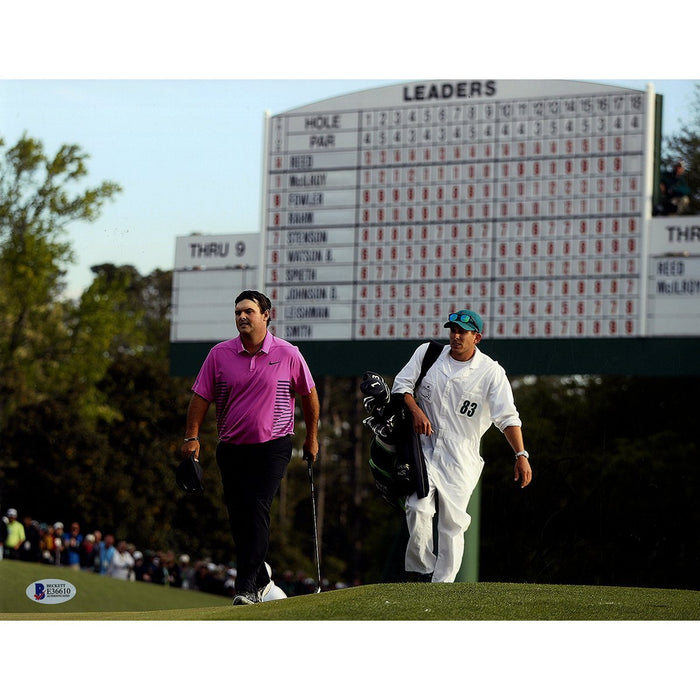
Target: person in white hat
122 563
15 535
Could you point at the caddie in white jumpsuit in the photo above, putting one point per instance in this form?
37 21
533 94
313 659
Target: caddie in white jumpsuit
461 395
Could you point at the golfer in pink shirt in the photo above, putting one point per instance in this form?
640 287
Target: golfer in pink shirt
252 380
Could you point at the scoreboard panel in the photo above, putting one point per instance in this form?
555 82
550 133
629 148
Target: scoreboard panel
386 209
209 272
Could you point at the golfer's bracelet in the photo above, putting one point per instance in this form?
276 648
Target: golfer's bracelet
191 439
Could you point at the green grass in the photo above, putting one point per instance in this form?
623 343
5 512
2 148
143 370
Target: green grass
102 598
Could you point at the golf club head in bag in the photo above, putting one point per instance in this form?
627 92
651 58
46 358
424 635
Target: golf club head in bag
383 428
375 390
378 403
188 476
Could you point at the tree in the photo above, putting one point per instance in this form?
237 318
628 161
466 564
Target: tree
615 485
685 146
39 197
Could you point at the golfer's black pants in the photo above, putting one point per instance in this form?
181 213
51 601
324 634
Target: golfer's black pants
251 475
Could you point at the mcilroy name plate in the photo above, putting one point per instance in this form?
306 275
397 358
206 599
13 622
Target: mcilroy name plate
386 209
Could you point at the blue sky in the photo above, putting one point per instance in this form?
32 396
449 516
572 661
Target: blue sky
188 153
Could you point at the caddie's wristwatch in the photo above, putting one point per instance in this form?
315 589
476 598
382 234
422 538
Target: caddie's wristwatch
522 453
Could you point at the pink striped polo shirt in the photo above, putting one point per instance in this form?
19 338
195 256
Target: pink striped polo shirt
253 394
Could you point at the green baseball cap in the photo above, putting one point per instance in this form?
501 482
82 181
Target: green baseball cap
466 319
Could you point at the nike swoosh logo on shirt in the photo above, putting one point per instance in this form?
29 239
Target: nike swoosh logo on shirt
274 363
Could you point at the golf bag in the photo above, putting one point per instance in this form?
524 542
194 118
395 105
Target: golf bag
395 456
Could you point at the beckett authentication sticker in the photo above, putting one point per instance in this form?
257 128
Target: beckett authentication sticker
50 591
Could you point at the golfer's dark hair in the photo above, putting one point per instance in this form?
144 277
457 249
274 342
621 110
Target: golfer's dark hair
259 298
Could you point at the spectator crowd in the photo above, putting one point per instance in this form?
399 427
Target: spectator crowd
32 541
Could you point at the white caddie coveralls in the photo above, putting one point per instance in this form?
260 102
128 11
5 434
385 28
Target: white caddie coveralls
461 401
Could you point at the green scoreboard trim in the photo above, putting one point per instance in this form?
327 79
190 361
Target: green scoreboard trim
653 357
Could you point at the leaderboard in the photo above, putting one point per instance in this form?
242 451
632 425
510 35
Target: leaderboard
386 209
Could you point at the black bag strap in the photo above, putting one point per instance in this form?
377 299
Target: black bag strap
419 472
431 354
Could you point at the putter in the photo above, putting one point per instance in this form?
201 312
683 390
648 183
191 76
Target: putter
309 462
